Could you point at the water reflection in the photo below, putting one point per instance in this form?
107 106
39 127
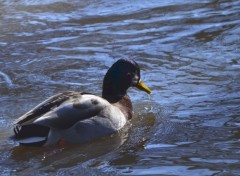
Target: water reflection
50 159
172 170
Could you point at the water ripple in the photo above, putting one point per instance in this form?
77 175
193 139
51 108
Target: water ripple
7 79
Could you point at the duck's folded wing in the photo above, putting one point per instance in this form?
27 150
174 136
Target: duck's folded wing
45 107
72 111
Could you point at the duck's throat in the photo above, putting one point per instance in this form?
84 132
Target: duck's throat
112 98
113 93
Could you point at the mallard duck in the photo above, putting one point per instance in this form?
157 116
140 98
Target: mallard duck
77 117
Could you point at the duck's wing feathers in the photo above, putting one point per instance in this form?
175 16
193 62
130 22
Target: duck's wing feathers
63 110
44 107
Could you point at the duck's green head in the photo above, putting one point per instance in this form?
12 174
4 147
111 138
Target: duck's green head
121 75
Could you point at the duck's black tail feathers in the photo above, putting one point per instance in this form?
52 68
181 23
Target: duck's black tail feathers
30 135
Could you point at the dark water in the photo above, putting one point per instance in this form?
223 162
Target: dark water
189 55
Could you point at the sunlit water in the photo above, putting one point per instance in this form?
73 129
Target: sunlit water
189 55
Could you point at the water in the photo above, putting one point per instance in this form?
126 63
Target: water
189 55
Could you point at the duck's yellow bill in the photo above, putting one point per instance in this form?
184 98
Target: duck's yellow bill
143 87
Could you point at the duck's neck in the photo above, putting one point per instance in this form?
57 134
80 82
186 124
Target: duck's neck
115 91
120 100
125 105
111 95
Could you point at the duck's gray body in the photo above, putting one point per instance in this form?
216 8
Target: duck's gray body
73 117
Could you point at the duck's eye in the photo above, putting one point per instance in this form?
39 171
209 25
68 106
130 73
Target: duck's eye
129 74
